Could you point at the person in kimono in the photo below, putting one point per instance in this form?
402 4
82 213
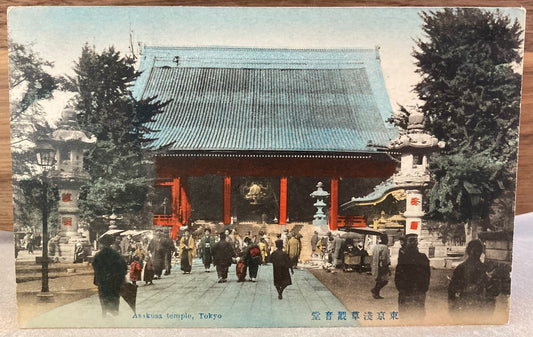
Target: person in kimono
109 272
263 246
252 257
314 243
187 251
412 278
156 248
473 287
140 252
148 272
205 249
281 265
136 269
223 254
169 250
80 253
293 248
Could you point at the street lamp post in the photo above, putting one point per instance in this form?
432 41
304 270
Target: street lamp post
46 159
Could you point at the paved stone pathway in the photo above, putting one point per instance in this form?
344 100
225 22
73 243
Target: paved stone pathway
197 300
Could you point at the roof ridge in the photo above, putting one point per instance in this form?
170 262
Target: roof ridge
273 49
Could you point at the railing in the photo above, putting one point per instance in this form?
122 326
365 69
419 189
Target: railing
163 219
351 221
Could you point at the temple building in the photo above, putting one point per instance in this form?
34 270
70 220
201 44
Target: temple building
249 132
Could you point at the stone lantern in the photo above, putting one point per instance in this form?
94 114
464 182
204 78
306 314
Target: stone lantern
319 195
70 143
113 218
414 146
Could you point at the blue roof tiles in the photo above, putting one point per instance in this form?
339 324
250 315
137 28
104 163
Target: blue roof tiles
251 99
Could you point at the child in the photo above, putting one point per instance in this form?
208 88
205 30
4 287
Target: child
135 270
148 271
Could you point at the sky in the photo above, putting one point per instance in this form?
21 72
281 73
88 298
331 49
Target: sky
59 33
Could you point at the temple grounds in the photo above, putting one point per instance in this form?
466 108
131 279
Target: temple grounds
196 300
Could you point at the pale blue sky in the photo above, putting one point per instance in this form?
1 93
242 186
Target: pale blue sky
58 33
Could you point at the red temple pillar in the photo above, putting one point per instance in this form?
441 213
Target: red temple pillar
334 208
185 205
175 207
283 201
176 195
227 200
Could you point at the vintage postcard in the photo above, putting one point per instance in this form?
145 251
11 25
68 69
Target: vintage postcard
264 167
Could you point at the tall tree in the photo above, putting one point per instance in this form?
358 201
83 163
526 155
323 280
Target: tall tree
29 79
471 94
30 82
119 175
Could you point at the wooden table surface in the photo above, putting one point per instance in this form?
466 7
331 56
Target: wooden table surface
524 202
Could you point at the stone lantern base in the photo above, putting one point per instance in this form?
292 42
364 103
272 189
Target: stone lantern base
67 245
320 222
430 244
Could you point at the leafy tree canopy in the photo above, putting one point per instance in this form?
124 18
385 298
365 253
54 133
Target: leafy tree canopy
29 83
31 197
471 99
119 179
29 77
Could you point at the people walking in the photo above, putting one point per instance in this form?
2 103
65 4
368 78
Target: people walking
473 288
252 257
223 255
53 246
29 242
126 248
205 249
135 270
263 246
412 279
227 233
380 265
293 249
157 252
338 253
314 243
285 237
187 251
281 265
238 243
140 252
169 250
148 272
329 253
109 271
360 251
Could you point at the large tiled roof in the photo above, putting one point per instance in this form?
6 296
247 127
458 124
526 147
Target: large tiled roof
279 100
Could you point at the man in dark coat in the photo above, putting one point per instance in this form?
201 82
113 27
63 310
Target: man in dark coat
412 279
170 249
156 249
205 249
473 287
281 265
223 255
109 271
